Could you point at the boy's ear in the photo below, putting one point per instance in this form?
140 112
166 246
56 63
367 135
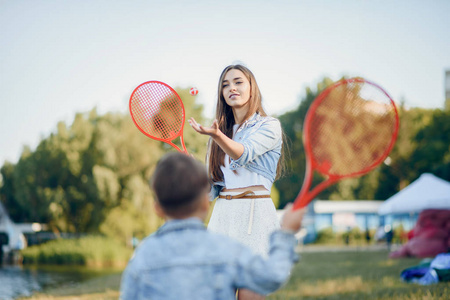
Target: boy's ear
158 209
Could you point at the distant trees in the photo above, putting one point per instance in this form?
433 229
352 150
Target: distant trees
423 145
292 124
92 176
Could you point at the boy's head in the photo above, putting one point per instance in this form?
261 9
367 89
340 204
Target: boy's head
181 186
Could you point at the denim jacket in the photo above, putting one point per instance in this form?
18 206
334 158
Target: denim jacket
261 138
183 260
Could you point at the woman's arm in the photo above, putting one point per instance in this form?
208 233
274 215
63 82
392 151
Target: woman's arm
267 137
230 147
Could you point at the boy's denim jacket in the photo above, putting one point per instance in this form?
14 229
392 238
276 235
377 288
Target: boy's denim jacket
262 139
183 260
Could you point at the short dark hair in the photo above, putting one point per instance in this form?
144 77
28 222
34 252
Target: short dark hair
178 182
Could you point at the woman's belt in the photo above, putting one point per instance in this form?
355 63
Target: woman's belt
246 195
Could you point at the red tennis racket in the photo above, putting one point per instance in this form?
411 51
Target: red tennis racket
349 129
158 112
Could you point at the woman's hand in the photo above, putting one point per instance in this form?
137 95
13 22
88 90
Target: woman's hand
230 147
292 219
212 131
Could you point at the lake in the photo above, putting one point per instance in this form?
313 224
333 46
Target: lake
18 281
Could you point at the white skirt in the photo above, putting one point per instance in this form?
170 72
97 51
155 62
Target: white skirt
235 219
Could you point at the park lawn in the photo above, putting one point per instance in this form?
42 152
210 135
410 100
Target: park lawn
355 275
325 275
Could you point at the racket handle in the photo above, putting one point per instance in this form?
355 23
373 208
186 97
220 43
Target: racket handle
304 198
178 148
182 144
301 202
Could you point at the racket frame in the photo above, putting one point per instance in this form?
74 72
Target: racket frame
178 134
305 196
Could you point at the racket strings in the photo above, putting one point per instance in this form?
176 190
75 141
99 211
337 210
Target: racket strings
351 129
157 110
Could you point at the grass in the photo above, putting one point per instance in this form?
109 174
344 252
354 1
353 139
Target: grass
327 275
355 275
92 251
100 288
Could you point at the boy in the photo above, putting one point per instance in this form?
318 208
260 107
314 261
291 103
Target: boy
184 261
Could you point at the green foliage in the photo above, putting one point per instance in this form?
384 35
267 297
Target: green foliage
423 145
326 236
91 174
195 143
126 221
400 235
355 236
95 251
292 123
432 153
7 191
86 175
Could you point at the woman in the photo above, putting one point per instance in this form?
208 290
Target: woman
243 161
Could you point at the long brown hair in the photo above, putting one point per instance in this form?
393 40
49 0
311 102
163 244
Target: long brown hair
225 120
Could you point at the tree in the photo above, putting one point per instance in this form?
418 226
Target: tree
422 146
432 153
86 174
7 191
292 123
400 171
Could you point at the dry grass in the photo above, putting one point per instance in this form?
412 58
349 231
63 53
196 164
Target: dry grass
109 295
355 275
331 287
334 275
103 287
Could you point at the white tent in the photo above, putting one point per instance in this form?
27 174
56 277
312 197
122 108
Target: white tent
427 192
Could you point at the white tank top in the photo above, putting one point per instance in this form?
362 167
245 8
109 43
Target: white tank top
243 177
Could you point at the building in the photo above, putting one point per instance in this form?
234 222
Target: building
339 216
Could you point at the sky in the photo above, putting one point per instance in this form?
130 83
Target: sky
62 57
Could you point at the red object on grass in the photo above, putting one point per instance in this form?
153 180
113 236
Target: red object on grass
424 247
431 235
